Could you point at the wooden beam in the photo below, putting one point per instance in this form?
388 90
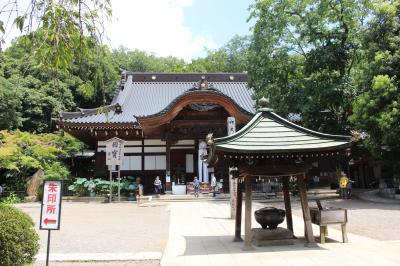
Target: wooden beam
238 216
247 215
310 240
275 170
288 207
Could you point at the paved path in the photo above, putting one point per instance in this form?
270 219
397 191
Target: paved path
201 234
379 221
105 232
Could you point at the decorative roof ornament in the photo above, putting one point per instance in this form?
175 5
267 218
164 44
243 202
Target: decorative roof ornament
118 108
263 104
203 83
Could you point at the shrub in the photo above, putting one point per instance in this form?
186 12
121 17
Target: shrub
18 239
82 186
78 187
12 199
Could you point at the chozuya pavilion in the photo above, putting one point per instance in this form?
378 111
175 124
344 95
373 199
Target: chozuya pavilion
163 119
270 146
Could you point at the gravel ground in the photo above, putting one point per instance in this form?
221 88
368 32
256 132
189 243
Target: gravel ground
374 220
106 228
125 227
111 263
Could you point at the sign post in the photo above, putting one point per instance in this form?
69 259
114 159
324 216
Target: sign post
114 158
231 127
50 213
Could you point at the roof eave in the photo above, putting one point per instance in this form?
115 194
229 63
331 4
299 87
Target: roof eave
283 151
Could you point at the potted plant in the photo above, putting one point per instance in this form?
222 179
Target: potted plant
128 184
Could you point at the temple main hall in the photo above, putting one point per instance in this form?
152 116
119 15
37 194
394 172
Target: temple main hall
163 119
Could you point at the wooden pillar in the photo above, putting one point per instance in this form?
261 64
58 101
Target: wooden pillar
247 215
288 207
238 215
168 186
310 240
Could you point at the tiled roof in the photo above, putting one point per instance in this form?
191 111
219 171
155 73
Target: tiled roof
141 99
268 132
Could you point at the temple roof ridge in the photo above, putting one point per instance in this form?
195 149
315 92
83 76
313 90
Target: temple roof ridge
141 96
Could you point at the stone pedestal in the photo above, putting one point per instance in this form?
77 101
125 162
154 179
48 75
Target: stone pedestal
275 237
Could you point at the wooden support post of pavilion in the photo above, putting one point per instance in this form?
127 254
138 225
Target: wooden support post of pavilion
310 240
288 207
238 216
247 214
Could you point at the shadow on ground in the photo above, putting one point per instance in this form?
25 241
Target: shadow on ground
203 245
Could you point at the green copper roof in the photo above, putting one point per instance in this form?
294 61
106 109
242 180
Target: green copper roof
267 132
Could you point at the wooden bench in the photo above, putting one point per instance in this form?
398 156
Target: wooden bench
328 216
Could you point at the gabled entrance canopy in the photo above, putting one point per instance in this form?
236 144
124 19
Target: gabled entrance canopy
271 146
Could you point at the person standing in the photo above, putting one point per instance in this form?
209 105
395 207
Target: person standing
213 183
157 186
196 186
349 189
343 185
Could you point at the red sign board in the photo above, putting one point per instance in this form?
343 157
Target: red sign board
51 206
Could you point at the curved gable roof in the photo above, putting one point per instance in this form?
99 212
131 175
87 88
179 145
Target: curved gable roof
144 99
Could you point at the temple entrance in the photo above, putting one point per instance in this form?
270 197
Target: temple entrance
185 164
186 146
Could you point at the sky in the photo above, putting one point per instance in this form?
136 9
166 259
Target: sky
180 28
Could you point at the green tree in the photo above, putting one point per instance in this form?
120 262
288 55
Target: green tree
10 116
56 29
306 50
377 109
140 61
42 93
232 57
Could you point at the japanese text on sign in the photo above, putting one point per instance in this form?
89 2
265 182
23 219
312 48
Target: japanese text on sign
51 205
114 151
231 123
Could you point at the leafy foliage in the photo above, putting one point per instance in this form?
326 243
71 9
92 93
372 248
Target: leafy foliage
336 63
377 109
83 186
18 238
56 29
23 153
302 55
